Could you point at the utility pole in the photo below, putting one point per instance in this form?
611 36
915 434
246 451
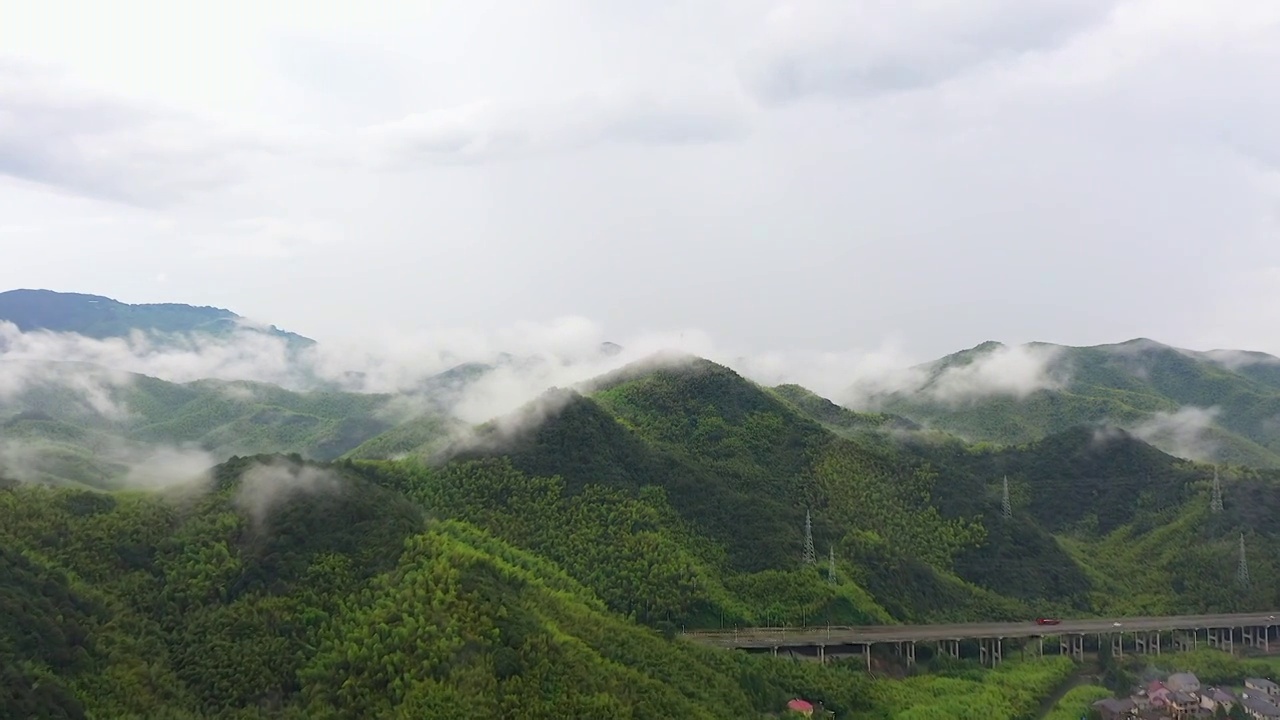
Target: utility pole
831 565
1006 507
1242 570
1215 504
809 556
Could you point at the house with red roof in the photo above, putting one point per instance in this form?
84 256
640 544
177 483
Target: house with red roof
804 707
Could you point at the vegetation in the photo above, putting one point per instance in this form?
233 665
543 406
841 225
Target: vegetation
544 564
100 317
1130 385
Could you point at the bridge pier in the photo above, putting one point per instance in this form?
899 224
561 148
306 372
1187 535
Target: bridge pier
907 649
1146 643
949 647
990 649
1221 638
1183 642
1072 645
1256 636
1117 645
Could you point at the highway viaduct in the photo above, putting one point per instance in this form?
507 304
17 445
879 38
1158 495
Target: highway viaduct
1147 635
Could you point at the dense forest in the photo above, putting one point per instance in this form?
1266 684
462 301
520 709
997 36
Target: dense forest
1230 397
544 564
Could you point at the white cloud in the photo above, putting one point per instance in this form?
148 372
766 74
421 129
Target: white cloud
814 174
1185 433
856 50
490 129
58 133
264 487
1014 371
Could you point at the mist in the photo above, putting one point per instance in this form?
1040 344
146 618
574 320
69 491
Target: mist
263 487
1185 432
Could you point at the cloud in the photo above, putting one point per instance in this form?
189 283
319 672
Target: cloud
57 133
88 389
1185 432
1001 370
245 354
265 238
858 50
162 467
115 464
1237 359
264 487
500 129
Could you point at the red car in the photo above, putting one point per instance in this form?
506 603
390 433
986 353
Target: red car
1047 621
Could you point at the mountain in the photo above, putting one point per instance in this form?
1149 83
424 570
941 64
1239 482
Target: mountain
1216 406
73 423
542 564
100 317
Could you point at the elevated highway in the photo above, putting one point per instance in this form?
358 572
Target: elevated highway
1148 635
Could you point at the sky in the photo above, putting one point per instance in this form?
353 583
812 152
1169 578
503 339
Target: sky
823 175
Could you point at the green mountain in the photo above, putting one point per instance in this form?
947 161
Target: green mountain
1217 406
542 564
100 317
84 425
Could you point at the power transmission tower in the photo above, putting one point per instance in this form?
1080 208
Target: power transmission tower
1006 507
809 556
831 565
1215 504
1242 570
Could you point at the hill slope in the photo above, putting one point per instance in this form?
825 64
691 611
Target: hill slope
513 572
101 317
1219 406
80 424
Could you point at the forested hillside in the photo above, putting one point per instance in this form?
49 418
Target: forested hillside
100 317
543 564
1213 406
86 426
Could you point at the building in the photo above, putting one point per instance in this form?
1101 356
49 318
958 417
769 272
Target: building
804 707
1111 708
1183 682
1182 704
1214 698
1262 686
1259 707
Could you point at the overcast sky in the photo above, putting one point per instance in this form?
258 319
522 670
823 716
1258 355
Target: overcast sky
822 174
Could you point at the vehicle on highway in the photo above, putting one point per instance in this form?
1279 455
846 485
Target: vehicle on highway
1047 621
1115 624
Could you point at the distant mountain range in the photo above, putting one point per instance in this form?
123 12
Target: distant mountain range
565 544
1220 405
101 317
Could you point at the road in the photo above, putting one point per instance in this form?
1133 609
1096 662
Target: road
870 634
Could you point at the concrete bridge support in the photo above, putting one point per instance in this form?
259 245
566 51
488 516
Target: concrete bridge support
1258 637
1117 645
907 649
949 647
1185 641
991 650
1072 645
1036 648
1148 643
1221 638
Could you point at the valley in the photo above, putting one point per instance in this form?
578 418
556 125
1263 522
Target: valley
583 542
